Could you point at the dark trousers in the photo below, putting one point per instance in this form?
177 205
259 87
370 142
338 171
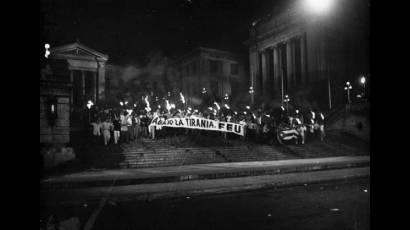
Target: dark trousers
125 137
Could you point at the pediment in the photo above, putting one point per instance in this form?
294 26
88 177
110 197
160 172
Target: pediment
77 51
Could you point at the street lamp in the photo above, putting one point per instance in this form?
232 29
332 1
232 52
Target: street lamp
363 82
251 91
226 96
47 47
348 87
286 100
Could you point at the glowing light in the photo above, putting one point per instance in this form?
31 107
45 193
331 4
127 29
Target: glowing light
362 80
146 101
248 107
47 46
251 91
236 113
159 106
244 112
267 115
135 105
217 105
286 99
129 111
89 104
168 105
126 102
182 98
297 111
52 108
121 103
319 6
195 110
227 106
210 108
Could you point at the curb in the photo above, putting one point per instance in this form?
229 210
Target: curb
188 189
192 176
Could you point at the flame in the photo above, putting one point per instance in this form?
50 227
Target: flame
182 98
217 105
148 108
168 105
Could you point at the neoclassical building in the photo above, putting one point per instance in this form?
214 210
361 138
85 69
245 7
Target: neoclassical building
294 47
69 77
219 72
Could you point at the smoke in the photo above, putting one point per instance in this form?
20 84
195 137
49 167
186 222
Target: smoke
155 76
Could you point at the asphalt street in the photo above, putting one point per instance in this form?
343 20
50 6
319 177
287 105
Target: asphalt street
334 205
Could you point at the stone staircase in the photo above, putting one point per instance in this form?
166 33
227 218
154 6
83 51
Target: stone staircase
158 153
333 145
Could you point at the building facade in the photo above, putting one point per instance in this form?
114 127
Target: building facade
293 48
219 72
70 76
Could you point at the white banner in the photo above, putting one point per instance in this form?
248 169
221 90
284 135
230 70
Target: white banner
198 123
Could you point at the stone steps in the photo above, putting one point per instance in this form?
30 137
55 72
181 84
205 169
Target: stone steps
157 153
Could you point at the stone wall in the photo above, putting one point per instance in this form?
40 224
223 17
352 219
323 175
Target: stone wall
60 132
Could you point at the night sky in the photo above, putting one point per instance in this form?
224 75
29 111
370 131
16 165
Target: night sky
128 30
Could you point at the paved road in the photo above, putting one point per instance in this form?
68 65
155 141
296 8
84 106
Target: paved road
341 205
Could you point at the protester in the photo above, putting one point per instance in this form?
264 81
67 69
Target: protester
117 130
96 130
106 127
124 128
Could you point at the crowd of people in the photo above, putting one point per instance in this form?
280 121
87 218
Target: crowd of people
119 125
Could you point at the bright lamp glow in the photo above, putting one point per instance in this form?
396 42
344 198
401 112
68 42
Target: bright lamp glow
319 6
362 80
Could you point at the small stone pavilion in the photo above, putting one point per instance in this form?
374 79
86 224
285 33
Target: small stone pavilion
73 74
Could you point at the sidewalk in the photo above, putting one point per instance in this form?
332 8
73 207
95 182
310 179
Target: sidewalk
188 189
123 177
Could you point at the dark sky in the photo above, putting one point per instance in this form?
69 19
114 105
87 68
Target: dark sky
128 30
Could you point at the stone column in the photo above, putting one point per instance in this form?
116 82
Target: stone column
276 68
253 59
101 80
94 87
293 48
72 90
303 61
289 63
264 73
82 85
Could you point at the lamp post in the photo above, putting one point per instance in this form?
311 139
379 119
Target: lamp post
320 9
47 52
251 93
286 100
348 87
363 82
226 97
